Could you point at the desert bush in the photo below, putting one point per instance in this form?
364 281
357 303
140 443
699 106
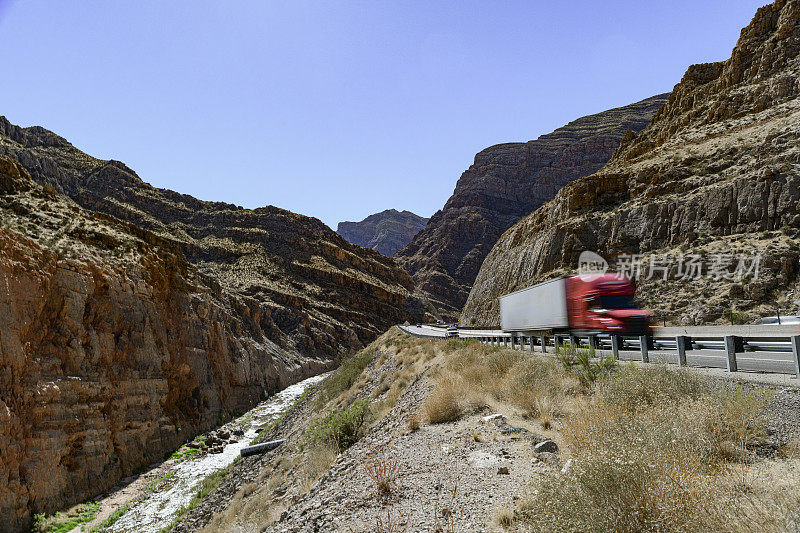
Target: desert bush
649 460
452 345
635 387
341 428
443 404
731 422
65 521
348 372
602 494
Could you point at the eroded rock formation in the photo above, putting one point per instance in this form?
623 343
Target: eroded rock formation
716 172
123 336
505 183
386 232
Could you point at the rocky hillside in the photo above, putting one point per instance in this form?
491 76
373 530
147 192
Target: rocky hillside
386 232
505 183
113 349
716 174
453 436
321 294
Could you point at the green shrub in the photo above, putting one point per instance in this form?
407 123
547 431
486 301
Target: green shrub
452 345
342 428
348 372
65 521
587 365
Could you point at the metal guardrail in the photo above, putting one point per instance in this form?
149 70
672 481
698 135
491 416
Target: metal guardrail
733 340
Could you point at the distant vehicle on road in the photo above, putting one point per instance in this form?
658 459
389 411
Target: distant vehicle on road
783 320
586 304
452 331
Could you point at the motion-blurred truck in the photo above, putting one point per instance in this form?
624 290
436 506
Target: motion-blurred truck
585 304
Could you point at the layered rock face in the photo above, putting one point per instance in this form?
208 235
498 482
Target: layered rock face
113 350
123 336
386 232
716 172
324 295
505 183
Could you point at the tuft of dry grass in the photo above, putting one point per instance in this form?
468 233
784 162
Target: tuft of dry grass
475 374
443 404
316 461
389 524
504 517
382 470
413 421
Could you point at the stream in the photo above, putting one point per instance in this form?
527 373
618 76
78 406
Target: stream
177 482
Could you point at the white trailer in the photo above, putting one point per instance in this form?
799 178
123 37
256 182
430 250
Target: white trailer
541 307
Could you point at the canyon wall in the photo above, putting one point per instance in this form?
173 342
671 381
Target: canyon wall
134 318
505 183
716 173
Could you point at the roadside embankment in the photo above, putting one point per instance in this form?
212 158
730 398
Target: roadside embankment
432 435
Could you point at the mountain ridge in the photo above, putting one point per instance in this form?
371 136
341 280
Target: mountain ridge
506 182
385 232
715 172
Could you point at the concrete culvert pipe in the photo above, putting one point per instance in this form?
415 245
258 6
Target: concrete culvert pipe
261 448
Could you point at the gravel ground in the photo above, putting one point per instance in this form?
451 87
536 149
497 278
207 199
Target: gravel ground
448 475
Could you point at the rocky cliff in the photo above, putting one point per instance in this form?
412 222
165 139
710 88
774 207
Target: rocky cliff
323 294
122 336
505 183
113 350
386 232
715 175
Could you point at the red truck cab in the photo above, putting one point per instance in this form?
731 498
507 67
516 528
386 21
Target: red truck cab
604 303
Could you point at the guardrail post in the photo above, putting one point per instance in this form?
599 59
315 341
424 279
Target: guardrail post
615 346
681 342
643 348
543 340
796 352
556 343
513 342
573 342
731 343
592 342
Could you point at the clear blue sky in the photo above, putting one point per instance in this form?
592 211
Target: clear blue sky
336 109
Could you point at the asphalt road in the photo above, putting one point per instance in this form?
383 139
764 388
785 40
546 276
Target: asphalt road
778 362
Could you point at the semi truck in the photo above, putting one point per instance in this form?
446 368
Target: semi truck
585 304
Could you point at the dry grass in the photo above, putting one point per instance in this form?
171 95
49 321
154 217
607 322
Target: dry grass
475 375
413 421
389 524
504 517
444 404
382 470
658 450
317 460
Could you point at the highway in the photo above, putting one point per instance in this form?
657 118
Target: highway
766 349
